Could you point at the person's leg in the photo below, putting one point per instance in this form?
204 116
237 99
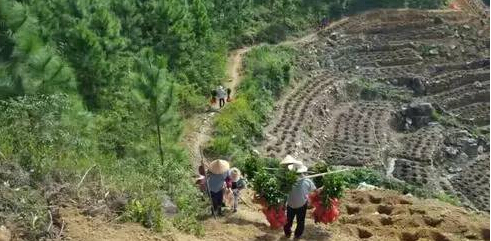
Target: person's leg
300 213
236 199
290 215
220 202
214 201
222 102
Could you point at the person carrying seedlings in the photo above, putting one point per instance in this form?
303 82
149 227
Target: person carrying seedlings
221 94
213 99
297 201
238 183
216 183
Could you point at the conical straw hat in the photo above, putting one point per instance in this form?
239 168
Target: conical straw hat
290 160
219 166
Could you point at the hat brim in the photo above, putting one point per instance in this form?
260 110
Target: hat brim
290 160
219 166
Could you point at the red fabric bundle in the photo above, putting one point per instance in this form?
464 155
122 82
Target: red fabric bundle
276 216
229 99
213 100
323 214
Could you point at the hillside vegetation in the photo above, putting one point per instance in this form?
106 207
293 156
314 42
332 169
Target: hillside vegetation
94 94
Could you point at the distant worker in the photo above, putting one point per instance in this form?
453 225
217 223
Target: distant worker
324 22
213 97
297 201
229 91
221 94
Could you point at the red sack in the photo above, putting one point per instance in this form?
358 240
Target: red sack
323 214
229 99
275 216
213 100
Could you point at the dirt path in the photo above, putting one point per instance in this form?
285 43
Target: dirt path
199 128
234 68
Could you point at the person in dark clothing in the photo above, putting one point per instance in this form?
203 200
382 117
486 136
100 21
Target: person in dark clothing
217 200
229 91
291 213
216 184
221 94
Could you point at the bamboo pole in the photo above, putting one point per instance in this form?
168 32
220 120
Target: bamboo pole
207 186
325 173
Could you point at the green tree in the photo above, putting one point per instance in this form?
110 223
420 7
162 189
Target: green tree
156 86
285 8
27 64
426 4
202 24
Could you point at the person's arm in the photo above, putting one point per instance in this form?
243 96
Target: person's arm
312 186
241 184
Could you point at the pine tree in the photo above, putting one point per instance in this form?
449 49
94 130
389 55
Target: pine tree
202 25
28 65
155 86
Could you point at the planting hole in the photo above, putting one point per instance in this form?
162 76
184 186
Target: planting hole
375 200
352 209
439 237
384 209
363 233
386 221
409 237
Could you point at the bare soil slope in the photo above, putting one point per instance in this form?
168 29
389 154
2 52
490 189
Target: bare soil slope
366 215
398 57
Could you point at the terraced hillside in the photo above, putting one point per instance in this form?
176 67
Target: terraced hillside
405 92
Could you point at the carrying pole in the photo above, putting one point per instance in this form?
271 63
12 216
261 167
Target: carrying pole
325 173
207 185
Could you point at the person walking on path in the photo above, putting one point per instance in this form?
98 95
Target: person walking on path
221 94
297 202
229 91
238 183
216 183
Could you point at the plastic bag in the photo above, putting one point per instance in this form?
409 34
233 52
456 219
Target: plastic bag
276 216
324 214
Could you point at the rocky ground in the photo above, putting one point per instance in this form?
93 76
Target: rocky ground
405 92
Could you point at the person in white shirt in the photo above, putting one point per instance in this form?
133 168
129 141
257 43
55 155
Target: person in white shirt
297 202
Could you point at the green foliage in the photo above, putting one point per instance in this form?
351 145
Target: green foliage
286 179
153 84
267 186
34 133
448 198
333 188
354 177
28 65
148 212
319 167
